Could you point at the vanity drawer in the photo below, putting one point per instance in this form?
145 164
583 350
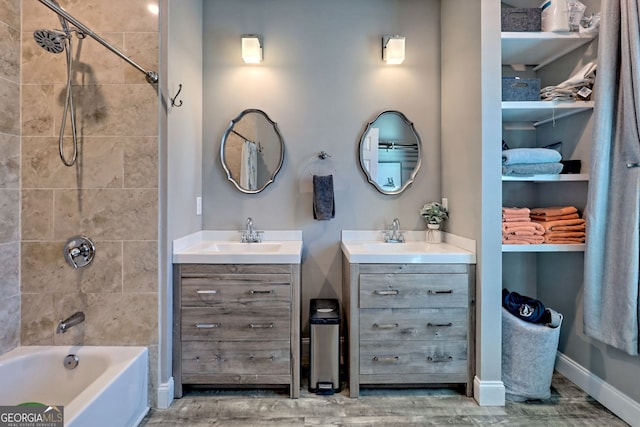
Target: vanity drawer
258 290
409 324
416 357
413 290
236 357
235 324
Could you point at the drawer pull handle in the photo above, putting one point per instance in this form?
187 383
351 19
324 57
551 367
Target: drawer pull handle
386 292
261 325
439 325
208 325
385 326
439 359
436 292
207 291
269 358
255 291
387 359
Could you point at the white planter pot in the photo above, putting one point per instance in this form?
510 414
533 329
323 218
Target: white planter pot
433 234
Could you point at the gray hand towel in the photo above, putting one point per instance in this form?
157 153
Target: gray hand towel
323 204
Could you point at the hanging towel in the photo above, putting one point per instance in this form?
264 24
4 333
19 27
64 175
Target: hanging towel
323 202
249 166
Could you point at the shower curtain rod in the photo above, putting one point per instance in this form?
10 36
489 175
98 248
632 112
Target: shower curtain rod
151 76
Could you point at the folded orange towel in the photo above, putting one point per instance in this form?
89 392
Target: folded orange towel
554 217
579 227
515 211
549 225
564 240
561 236
554 210
516 219
522 240
522 228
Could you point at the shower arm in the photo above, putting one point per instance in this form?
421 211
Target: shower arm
151 76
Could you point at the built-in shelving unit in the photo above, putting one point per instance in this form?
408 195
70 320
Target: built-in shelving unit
538 49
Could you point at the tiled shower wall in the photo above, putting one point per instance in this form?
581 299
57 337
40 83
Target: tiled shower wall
9 174
111 195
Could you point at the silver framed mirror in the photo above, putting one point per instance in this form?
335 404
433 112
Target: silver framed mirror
252 151
390 152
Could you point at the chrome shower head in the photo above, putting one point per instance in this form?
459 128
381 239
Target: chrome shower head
50 40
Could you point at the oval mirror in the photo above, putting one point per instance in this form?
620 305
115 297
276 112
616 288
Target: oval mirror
390 152
252 151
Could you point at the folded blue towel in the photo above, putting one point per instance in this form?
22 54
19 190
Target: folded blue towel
323 202
530 156
532 169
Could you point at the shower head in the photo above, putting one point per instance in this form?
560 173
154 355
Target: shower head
50 40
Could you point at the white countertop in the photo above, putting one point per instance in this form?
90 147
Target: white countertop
368 247
224 247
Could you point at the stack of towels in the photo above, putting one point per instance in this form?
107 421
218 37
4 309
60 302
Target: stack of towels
518 229
561 224
577 87
531 161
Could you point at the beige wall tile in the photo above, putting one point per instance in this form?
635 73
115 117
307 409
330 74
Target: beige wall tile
38 65
38 319
37 215
9 215
107 214
37 113
10 108
9 53
35 15
44 269
115 15
143 48
9 161
100 163
112 314
140 269
140 162
10 12
115 110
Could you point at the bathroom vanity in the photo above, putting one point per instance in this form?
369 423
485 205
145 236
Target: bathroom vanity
237 311
409 311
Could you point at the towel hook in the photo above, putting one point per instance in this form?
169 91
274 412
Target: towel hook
173 100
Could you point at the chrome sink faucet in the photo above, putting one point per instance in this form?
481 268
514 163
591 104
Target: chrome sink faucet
394 235
73 320
249 235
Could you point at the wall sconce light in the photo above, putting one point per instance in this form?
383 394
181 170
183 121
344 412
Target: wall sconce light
393 49
251 49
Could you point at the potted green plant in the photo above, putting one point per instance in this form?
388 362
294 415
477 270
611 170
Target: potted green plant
434 213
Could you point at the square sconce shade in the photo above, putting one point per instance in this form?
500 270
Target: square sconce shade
251 49
393 49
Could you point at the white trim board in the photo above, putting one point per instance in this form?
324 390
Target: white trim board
488 393
165 394
610 397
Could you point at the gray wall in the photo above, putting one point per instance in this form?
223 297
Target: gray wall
322 80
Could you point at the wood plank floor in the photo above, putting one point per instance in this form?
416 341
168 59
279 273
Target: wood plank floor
568 406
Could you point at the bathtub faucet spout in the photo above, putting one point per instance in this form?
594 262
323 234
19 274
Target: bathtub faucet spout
73 320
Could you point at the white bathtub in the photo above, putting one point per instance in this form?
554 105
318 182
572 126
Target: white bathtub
107 388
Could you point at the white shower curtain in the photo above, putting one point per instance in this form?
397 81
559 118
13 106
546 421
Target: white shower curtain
612 254
249 166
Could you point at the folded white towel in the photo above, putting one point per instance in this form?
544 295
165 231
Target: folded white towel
530 156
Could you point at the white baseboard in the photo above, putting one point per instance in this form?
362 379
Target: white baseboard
488 393
613 399
165 394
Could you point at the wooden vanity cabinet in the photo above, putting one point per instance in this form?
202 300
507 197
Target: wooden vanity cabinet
409 324
236 325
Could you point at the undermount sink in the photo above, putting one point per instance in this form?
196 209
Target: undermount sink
367 247
224 247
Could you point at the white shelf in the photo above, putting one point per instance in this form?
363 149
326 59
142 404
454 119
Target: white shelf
540 112
539 48
576 177
579 247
